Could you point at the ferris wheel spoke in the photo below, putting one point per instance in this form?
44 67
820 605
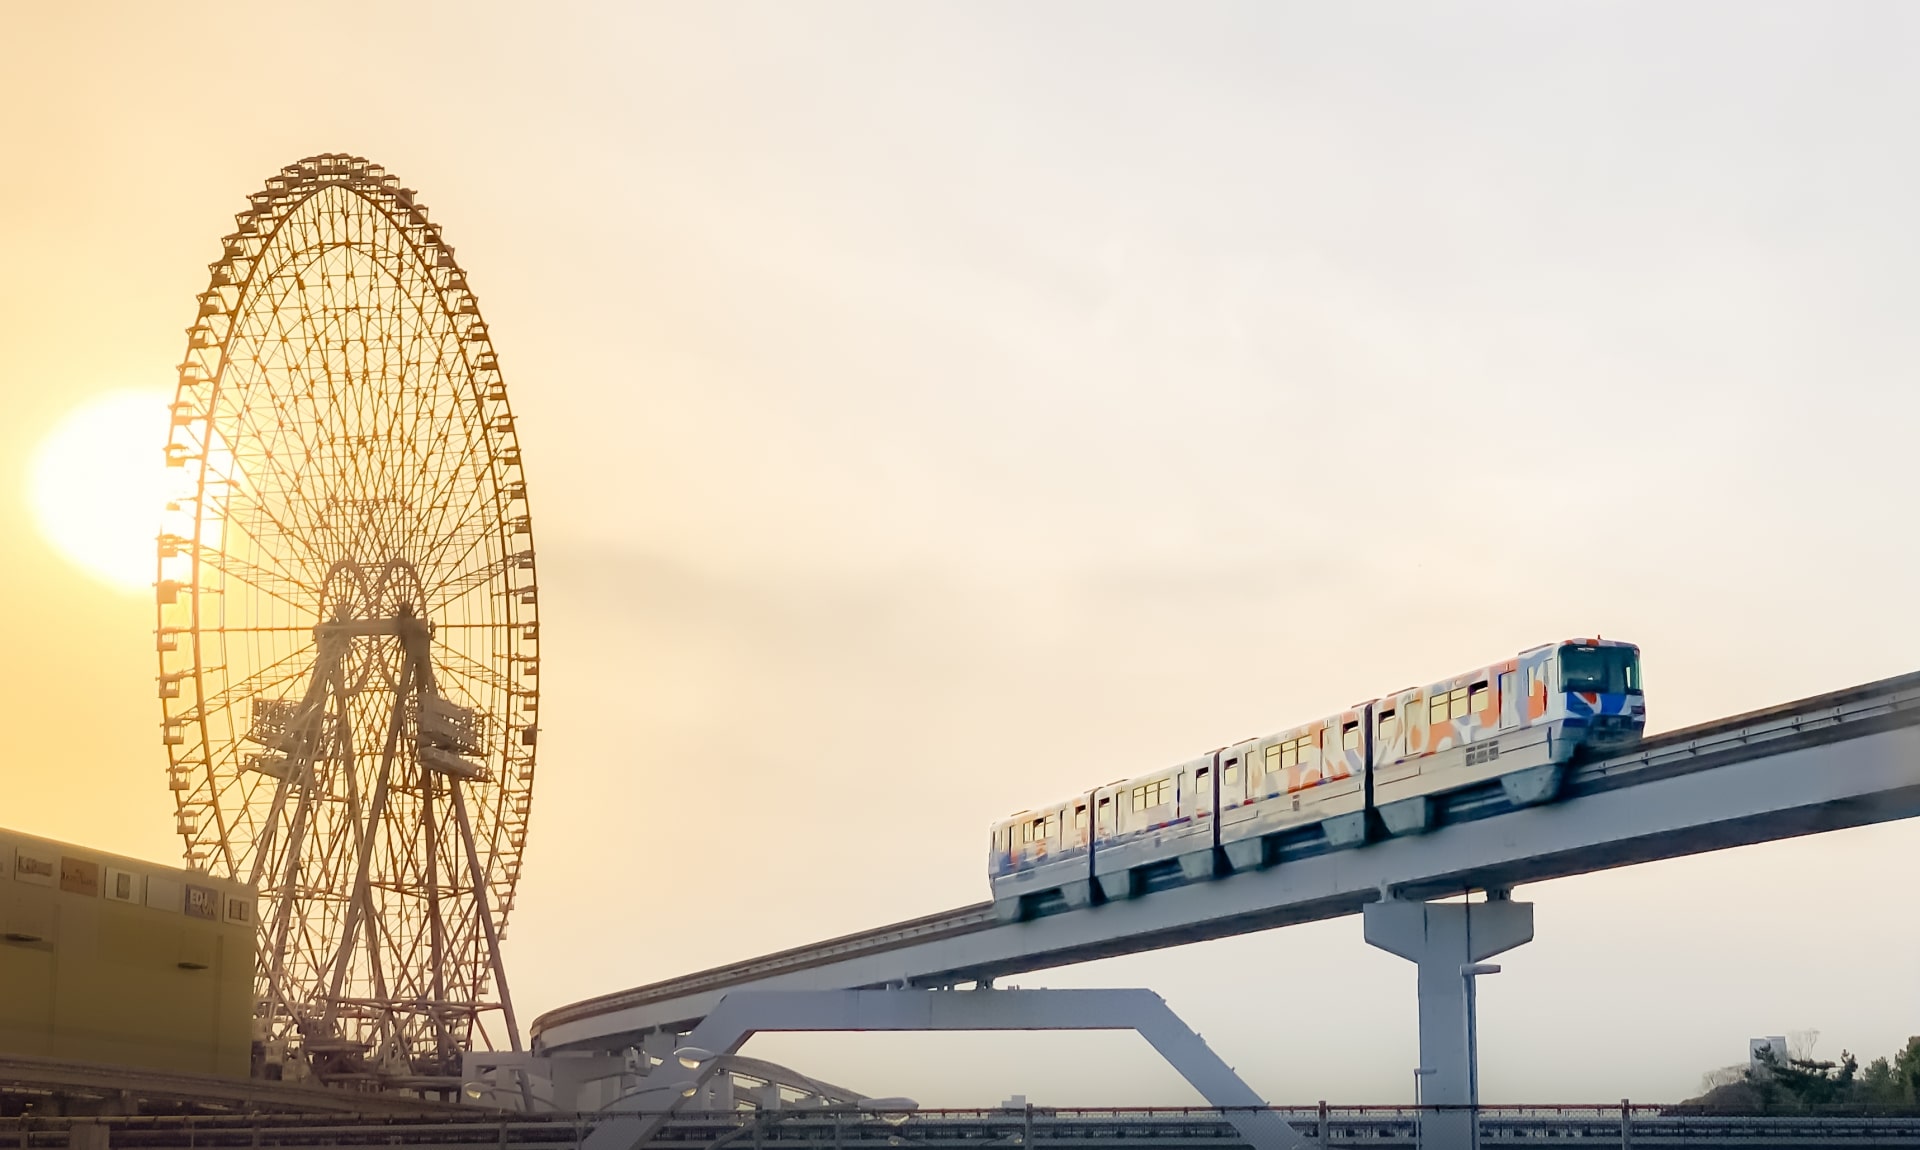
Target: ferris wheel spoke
246 496
458 665
453 515
471 535
288 590
272 457
265 679
240 504
456 587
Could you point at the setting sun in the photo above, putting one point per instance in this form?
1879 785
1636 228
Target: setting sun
96 486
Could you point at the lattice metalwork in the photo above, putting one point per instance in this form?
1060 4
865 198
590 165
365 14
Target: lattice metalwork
348 631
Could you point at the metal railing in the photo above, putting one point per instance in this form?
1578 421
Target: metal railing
1624 1125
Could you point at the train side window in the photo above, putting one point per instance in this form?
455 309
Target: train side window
1389 726
1104 814
1289 753
1080 817
1230 773
1350 736
1200 775
1146 796
1478 697
1444 705
1143 797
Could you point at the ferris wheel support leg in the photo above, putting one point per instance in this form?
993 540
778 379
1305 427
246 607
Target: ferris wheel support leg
368 920
492 932
367 831
436 931
327 672
486 914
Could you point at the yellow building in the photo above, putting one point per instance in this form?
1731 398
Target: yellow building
107 959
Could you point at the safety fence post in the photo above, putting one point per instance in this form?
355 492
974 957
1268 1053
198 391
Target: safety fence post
1626 1125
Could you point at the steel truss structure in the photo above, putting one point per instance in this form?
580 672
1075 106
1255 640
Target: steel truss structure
348 629
638 1116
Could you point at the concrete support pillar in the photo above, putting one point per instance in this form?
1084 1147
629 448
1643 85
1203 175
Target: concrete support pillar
1441 938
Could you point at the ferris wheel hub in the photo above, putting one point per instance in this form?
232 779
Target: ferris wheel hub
407 627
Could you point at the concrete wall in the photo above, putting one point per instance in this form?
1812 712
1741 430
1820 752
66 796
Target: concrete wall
107 959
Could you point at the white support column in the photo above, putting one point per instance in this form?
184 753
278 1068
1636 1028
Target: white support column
1443 937
742 1014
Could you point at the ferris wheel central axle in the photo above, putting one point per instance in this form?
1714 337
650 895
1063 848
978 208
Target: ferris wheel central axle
406 627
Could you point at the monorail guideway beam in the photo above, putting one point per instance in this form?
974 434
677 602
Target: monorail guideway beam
1844 759
740 1015
1444 940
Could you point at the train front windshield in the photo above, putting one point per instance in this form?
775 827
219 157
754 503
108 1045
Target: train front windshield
1600 670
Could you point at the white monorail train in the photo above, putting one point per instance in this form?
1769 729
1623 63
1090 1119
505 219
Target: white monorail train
1371 770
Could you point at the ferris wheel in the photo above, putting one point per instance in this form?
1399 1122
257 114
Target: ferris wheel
348 631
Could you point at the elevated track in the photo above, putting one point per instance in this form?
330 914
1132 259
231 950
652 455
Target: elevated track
1843 759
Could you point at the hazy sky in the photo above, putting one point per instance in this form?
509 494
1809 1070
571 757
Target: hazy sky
933 409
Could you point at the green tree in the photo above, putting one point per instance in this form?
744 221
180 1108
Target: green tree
1878 1084
1800 1083
1894 1082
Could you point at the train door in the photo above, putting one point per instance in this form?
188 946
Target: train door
1389 735
1236 768
1414 719
1482 713
1539 692
1510 701
1350 759
1079 828
1199 778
